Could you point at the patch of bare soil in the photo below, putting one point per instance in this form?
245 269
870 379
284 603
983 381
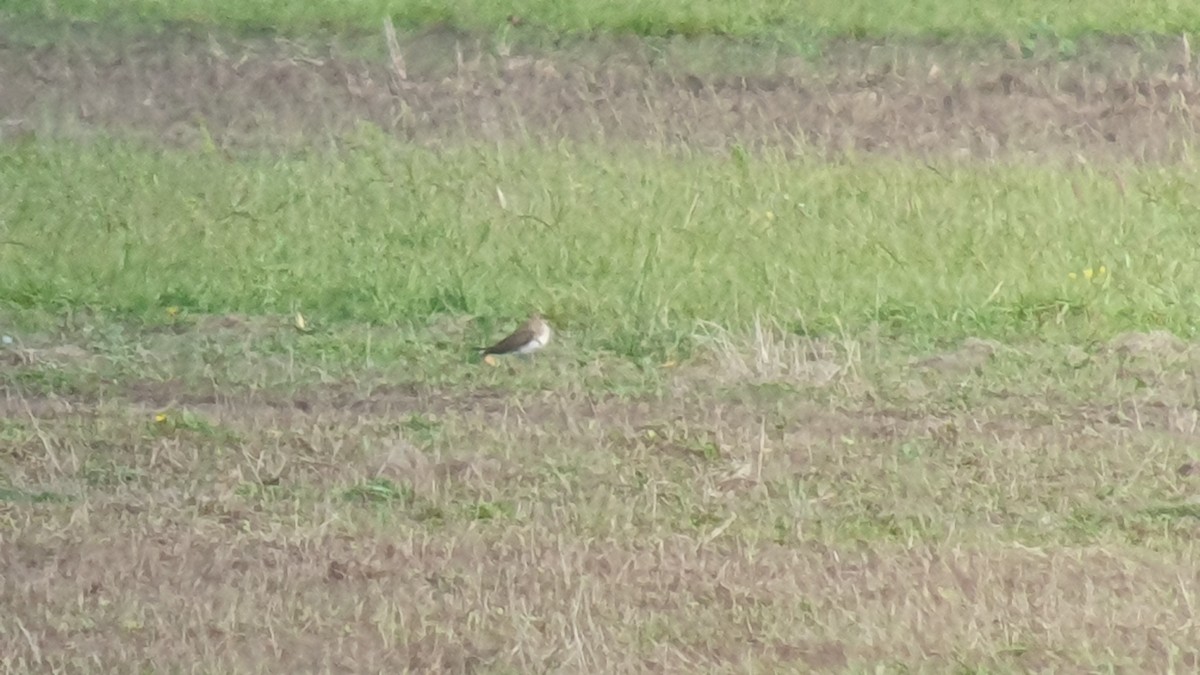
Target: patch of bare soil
1112 101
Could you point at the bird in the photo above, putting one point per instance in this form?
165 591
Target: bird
526 339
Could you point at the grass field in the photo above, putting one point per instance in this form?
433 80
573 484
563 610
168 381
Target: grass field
756 18
860 365
633 249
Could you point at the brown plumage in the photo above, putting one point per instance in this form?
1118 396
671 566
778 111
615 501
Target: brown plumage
529 337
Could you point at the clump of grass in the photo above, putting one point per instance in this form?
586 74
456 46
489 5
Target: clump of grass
771 354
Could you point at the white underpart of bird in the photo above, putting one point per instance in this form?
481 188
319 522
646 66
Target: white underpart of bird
541 337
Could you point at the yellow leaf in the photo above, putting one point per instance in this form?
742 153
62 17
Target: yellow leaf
300 323
490 360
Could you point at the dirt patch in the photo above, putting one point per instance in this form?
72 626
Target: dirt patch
61 355
972 355
917 100
1154 344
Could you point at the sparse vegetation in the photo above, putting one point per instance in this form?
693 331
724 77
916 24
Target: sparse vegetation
856 369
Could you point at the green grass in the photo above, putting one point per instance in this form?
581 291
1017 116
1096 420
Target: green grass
630 251
761 18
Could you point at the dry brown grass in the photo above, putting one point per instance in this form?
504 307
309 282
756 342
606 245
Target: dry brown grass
1111 101
773 524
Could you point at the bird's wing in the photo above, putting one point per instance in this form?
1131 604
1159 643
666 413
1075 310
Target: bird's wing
512 343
